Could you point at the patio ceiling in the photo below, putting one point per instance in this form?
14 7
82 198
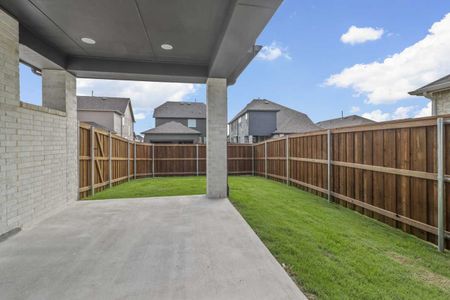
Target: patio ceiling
210 38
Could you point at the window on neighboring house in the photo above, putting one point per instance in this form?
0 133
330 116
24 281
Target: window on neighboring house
246 116
192 123
239 120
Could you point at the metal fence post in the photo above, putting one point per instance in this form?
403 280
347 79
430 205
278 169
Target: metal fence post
110 160
287 160
153 160
440 183
265 159
196 158
134 162
92 161
329 164
128 161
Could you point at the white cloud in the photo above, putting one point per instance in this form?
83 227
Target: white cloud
272 52
377 115
424 112
139 116
390 80
355 109
402 112
145 96
359 35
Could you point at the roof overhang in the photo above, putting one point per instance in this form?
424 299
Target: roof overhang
425 91
442 84
210 38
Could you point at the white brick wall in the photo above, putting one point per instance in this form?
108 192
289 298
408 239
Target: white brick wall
442 102
38 145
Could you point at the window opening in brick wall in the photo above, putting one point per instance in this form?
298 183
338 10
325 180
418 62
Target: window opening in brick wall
30 85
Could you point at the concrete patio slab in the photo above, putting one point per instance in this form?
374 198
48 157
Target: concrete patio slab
154 248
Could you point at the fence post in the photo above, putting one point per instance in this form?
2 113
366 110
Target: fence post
253 160
265 159
287 160
196 159
128 160
153 160
92 161
440 183
134 162
110 160
329 164
78 159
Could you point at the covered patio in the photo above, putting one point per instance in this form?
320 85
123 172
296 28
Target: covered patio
185 247
201 41
165 248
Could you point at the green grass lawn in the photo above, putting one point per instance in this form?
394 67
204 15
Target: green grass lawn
330 251
161 186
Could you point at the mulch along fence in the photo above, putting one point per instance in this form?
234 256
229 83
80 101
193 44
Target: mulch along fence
395 172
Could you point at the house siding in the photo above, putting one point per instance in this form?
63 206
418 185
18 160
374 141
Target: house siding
441 103
105 118
257 124
128 126
238 131
201 123
262 123
110 120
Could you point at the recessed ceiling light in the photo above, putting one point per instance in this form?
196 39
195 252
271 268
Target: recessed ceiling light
87 40
167 46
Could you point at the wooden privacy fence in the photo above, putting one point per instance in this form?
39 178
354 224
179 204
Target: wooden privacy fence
107 159
393 171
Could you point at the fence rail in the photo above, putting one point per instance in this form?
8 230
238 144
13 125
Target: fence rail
395 172
107 160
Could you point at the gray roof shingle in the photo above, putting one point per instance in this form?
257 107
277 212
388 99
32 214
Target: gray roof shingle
188 110
438 85
352 120
288 120
115 104
172 128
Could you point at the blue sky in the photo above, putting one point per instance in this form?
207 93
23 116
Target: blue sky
304 50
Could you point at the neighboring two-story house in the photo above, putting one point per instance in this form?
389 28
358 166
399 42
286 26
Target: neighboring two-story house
263 119
109 113
178 122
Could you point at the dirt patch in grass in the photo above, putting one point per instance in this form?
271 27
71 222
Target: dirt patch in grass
422 273
434 279
400 258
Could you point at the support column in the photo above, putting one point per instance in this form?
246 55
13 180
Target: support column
9 60
59 93
9 104
216 135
